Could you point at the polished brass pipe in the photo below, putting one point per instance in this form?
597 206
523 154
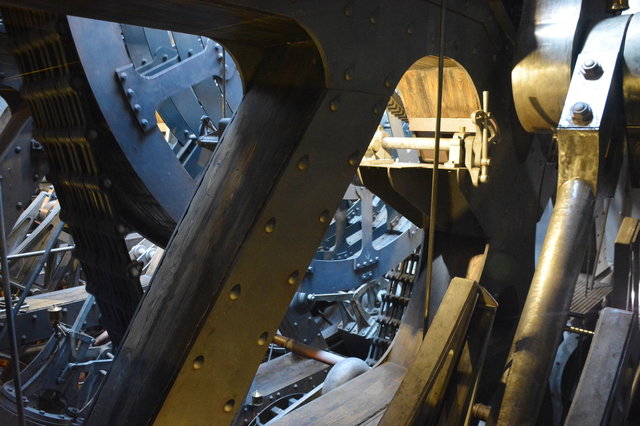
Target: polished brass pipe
306 350
547 306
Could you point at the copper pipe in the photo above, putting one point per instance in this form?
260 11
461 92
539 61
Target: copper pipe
306 350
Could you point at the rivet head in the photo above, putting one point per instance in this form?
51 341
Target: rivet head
270 226
333 105
123 76
348 11
377 109
354 159
303 163
121 229
591 69
228 406
293 278
373 20
91 135
134 271
387 83
263 339
198 362
581 113
409 30
348 74
324 216
234 294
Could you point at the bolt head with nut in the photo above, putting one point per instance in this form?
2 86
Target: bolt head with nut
581 113
591 69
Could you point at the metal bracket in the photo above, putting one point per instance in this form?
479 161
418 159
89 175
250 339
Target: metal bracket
468 148
579 129
144 94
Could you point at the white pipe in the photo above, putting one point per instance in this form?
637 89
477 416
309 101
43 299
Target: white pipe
415 143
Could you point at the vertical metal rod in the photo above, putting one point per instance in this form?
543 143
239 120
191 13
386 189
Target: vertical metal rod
224 82
10 321
484 156
434 180
547 307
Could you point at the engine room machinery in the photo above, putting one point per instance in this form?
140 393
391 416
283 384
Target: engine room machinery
299 212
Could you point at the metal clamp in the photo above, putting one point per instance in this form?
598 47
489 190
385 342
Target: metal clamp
486 132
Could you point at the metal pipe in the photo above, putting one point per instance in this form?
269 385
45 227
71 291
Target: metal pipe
306 350
390 142
39 252
547 306
434 181
11 324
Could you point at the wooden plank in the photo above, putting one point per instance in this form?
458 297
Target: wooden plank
46 300
356 402
601 395
284 371
196 270
420 393
448 125
418 89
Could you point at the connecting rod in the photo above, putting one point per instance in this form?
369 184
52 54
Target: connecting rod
547 307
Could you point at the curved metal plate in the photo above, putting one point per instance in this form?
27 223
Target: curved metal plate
547 46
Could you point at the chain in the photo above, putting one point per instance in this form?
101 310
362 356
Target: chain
394 303
79 147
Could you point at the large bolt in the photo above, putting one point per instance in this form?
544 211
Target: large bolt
581 113
591 69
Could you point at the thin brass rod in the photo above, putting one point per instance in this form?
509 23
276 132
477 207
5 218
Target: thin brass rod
434 180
